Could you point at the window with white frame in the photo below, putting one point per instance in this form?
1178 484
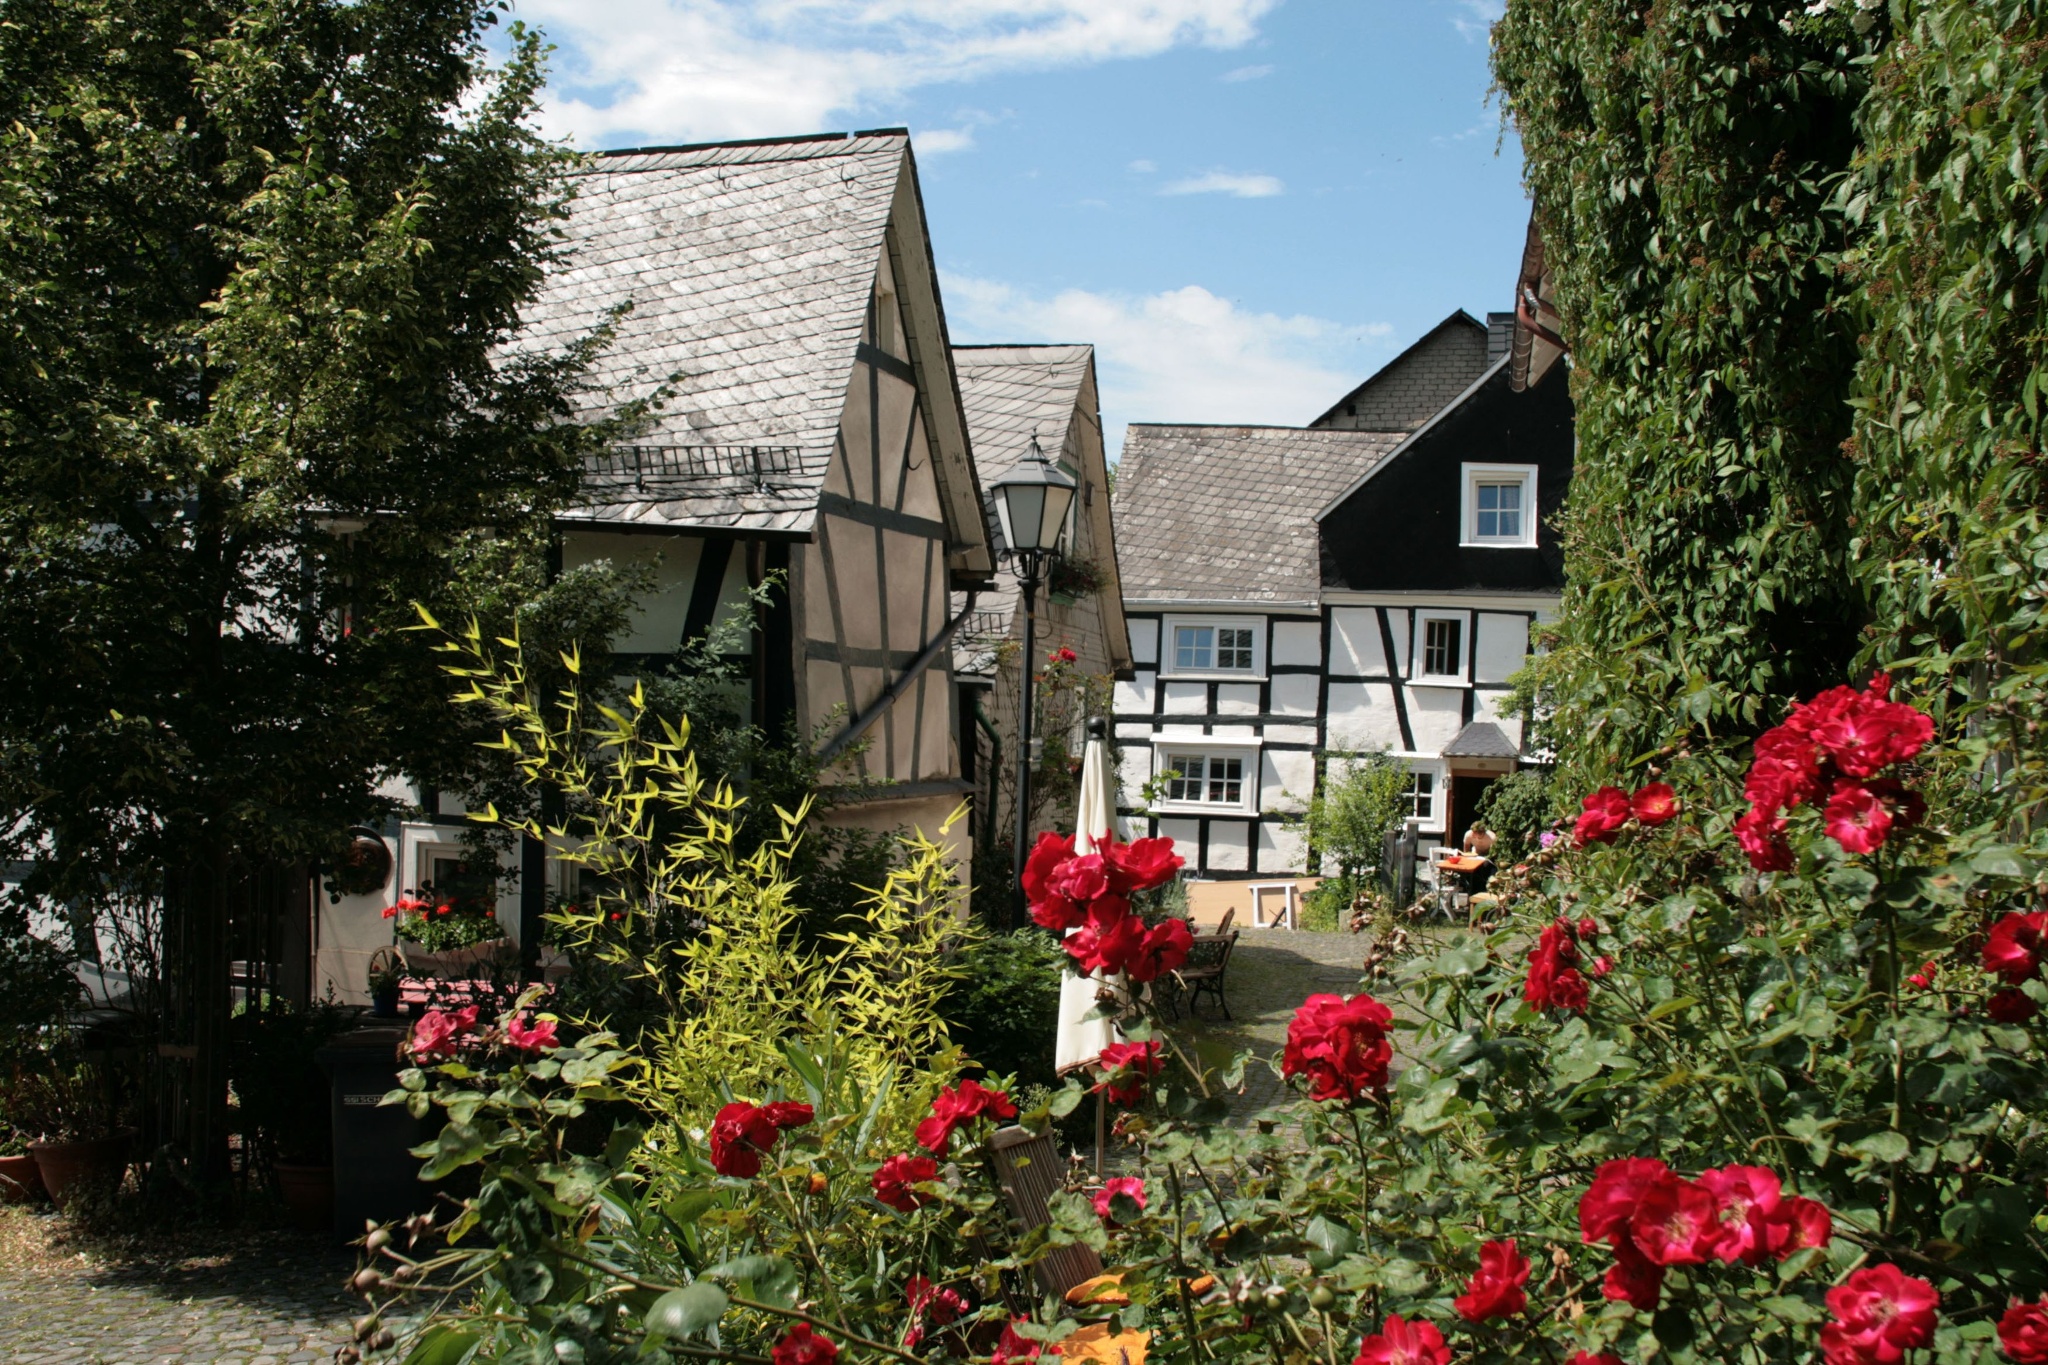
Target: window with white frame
1209 779
1214 647
1499 506
1443 647
1421 796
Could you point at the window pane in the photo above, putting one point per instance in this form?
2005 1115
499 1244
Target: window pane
1440 657
1188 786
1226 781
1193 647
1234 649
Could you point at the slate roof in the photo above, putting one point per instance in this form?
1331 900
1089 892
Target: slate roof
1010 392
1481 739
748 268
1227 514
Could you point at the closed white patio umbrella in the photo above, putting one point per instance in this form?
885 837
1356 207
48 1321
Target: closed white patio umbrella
1080 1041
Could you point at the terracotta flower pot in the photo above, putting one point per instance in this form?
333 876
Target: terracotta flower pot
308 1193
20 1181
64 1164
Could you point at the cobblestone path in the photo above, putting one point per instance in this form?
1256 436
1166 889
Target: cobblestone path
272 1300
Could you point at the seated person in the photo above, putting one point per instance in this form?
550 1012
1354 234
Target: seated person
1478 843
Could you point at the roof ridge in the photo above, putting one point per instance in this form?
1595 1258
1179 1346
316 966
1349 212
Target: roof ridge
730 142
1262 426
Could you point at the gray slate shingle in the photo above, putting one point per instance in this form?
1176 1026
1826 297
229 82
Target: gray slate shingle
1228 513
1482 739
749 270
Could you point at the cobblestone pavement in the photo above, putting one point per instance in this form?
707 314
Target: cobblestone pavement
272 1299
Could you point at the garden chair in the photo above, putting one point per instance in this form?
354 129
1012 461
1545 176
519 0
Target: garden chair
1223 925
1203 972
1028 1168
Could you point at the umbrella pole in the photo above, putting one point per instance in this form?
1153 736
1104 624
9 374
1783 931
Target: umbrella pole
1101 1129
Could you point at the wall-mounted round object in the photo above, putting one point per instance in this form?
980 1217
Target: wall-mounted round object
363 866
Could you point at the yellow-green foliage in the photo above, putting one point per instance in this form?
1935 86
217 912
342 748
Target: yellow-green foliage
710 929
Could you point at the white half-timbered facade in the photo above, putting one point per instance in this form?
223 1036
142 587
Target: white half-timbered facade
1369 582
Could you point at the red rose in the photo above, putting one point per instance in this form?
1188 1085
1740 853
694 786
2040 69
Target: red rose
1079 879
1588 928
928 1301
440 1032
741 1133
1340 1045
1107 949
1050 851
538 1036
1633 1279
1856 819
1602 965
894 1181
1798 1224
1141 864
2023 1332
2011 1006
1868 733
1166 945
1880 1314
1400 1342
1120 1187
1676 1223
2016 944
1654 804
1745 1199
801 1346
1012 1348
1618 1186
1601 817
964 1102
1062 655
1126 1067
1496 1291
1785 772
1554 982
1588 1358
1761 833
1057 913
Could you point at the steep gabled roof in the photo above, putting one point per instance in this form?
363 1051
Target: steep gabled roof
746 270
1226 514
1403 441
1418 381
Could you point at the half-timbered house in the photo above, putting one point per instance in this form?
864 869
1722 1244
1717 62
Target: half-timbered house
1368 582
784 292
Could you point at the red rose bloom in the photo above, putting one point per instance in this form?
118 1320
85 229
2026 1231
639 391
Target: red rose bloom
1867 733
1676 1223
928 1302
1654 803
2023 1332
1880 1314
1633 1279
1126 1067
1856 819
1141 864
2014 948
1165 946
1601 817
1399 1342
964 1102
1050 851
538 1036
1496 1291
1340 1045
1058 914
1108 949
741 1133
1602 965
801 1346
1554 982
1126 1186
2011 1006
1012 1348
1588 1358
1618 1186
895 1181
1761 833
440 1032
1745 1200
1798 1224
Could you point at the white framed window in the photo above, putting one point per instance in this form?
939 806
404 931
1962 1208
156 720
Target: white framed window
1200 777
1499 508
1442 640
1213 647
1425 791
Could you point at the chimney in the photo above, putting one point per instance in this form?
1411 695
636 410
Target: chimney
1500 335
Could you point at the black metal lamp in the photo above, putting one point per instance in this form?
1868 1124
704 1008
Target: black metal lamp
1032 502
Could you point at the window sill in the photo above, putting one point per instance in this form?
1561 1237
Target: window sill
1197 808
1430 680
1496 544
1183 675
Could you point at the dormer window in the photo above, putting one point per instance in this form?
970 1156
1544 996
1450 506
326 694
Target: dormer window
1215 647
1499 506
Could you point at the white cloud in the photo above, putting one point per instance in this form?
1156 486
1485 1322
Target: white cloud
932 141
1247 73
674 70
1184 355
1142 167
1222 182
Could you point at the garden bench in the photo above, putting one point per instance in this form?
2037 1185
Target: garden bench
1029 1170
1202 973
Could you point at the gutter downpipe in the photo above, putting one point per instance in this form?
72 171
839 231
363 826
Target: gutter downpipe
859 725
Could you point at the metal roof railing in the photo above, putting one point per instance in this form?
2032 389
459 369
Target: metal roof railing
638 471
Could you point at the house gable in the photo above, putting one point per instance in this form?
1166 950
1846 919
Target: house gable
1415 385
1402 527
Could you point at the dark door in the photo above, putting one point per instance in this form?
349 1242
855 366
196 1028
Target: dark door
1466 789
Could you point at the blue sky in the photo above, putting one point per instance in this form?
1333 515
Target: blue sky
1247 205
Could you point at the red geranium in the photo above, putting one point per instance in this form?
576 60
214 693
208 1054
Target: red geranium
1340 1045
964 1102
1400 1342
1126 1067
1554 981
1124 1186
895 1180
1012 1348
2023 1332
1654 803
801 1346
440 1032
2016 944
741 1133
1880 1314
1496 1291
1601 817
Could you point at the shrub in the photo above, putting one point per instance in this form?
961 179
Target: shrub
1004 1004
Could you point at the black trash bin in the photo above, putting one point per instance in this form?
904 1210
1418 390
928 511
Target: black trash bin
376 1177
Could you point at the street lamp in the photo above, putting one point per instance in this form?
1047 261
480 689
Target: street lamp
1031 503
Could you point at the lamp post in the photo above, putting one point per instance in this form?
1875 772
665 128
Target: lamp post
1031 503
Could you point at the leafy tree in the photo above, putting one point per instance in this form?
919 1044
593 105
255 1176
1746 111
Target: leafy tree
1362 797
259 266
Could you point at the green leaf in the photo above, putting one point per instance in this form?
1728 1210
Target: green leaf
442 1344
1886 1146
687 1311
457 1145
807 1070
1066 1100
687 1207
528 1281
765 1279
1673 1006
2000 860
1332 1239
